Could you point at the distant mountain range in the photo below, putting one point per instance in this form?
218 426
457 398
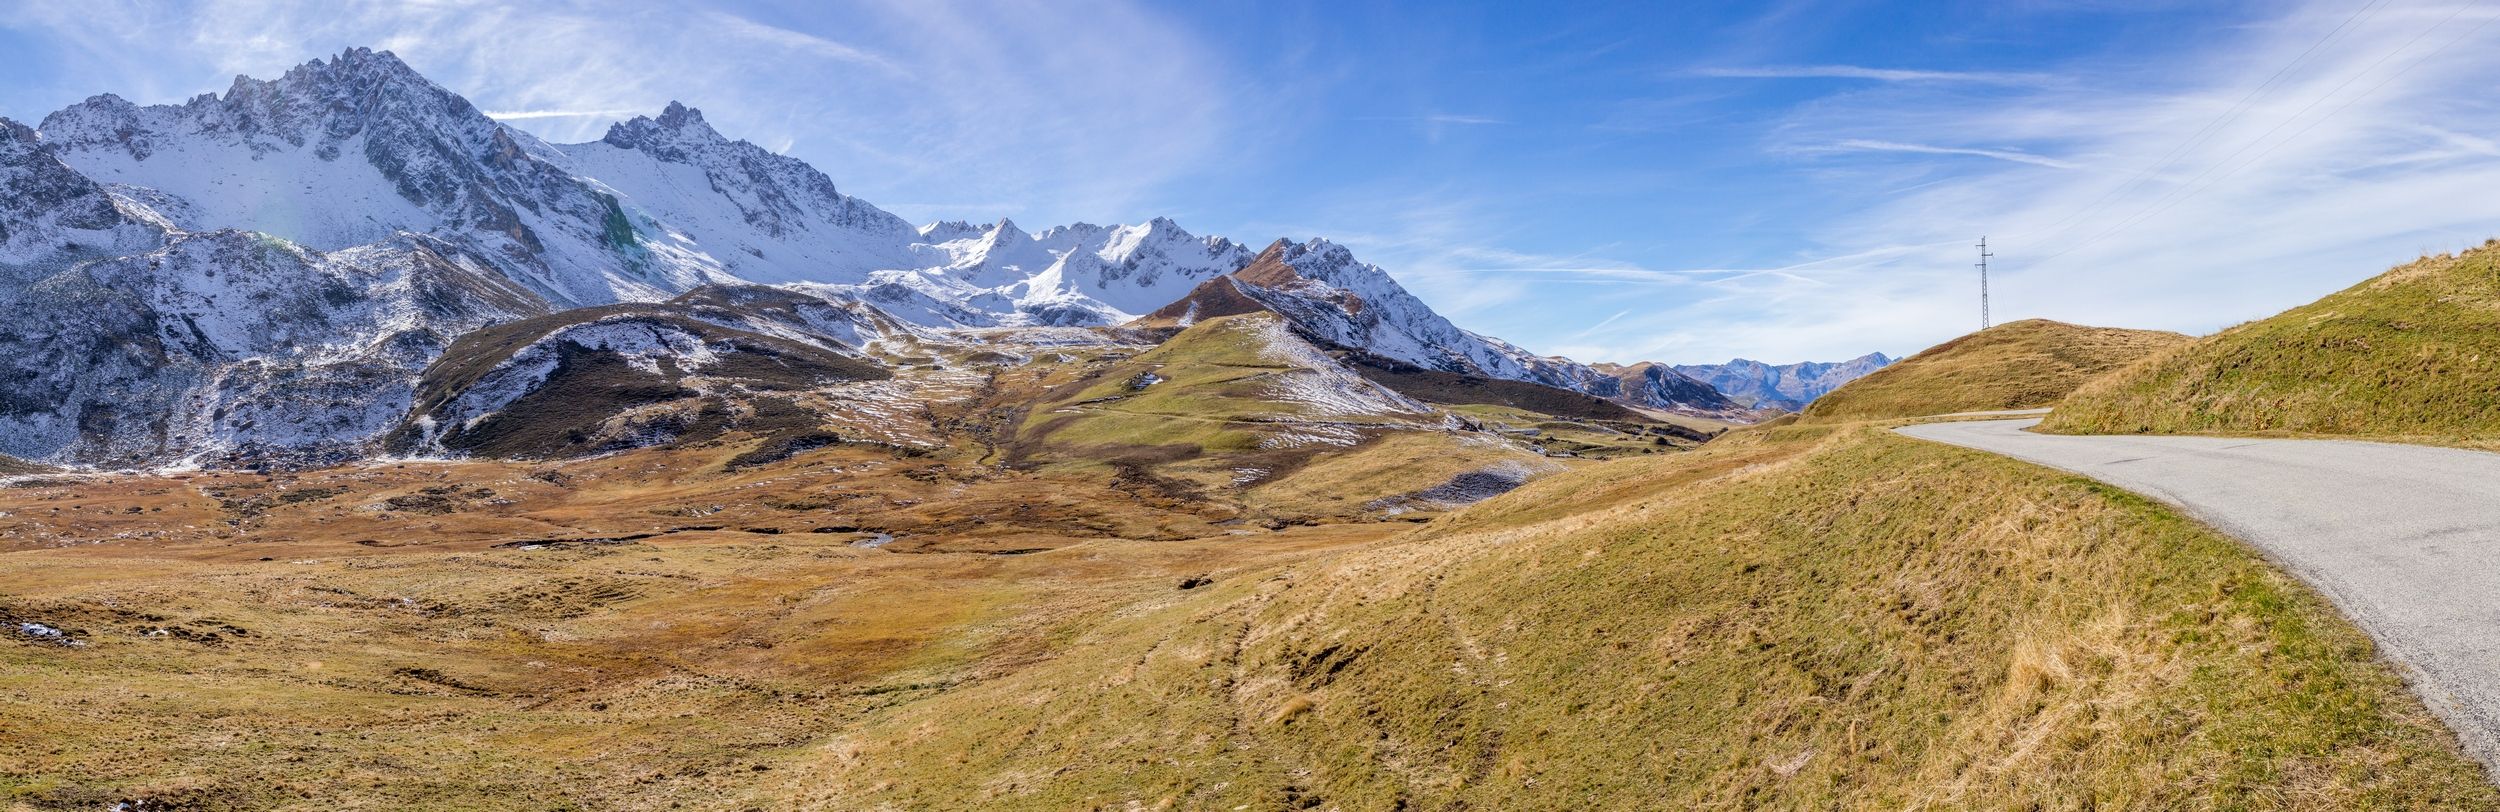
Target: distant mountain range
1787 387
268 272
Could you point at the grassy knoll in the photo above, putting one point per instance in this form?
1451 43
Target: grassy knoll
2016 365
2413 354
1810 617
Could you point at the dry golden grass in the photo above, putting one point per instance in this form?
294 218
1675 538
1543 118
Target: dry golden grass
2016 365
2413 354
1853 621
283 664
1796 616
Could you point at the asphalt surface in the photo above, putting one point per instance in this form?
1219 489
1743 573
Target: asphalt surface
2404 539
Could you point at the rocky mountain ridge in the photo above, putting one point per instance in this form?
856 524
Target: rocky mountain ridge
1786 387
282 260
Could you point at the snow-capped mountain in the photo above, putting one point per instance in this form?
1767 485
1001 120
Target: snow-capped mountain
700 200
129 339
1784 386
1073 275
356 149
265 271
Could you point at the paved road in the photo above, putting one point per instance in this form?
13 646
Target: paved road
2405 539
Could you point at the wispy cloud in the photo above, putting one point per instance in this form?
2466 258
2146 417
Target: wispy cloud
2231 189
776 36
1870 74
1871 145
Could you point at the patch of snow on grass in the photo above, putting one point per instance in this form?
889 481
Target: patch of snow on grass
1321 385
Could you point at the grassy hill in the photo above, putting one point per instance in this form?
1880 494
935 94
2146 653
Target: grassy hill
2016 365
1782 620
1240 405
2411 354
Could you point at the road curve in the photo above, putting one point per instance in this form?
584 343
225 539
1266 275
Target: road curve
2404 539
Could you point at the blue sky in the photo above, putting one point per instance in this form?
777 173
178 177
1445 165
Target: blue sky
1616 182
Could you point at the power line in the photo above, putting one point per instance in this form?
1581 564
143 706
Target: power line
1983 282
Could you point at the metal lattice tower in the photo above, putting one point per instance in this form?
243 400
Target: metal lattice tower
1984 321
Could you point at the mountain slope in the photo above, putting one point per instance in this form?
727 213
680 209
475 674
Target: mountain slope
762 217
610 378
1785 386
1339 301
1658 386
2413 353
2016 365
50 213
230 346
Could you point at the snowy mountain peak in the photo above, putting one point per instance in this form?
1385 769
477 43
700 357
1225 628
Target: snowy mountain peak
1071 234
360 68
678 116
948 231
678 134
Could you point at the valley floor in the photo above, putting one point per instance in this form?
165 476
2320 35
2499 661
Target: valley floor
1811 616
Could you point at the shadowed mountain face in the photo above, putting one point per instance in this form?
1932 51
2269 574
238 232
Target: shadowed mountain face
1787 387
612 378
